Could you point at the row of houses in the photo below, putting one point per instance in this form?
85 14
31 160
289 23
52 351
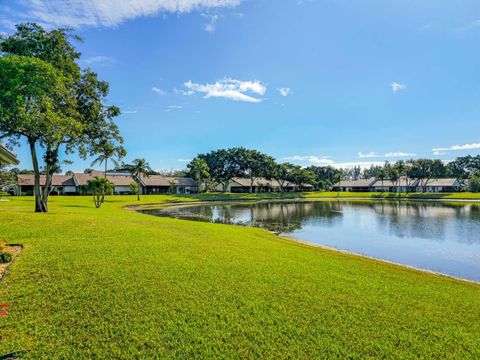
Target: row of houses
242 185
76 184
403 184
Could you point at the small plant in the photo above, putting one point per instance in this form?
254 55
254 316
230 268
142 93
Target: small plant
5 257
100 187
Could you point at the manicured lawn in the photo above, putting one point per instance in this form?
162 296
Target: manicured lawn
111 283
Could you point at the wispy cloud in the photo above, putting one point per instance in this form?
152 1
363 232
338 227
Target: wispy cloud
399 154
371 154
211 24
312 159
397 87
324 161
173 108
285 91
184 160
231 89
183 92
439 150
158 90
473 25
108 13
129 111
99 60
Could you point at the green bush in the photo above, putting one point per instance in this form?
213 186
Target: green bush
5 257
474 184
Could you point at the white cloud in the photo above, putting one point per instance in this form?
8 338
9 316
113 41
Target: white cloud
324 161
78 13
397 87
317 160
183 92
230 89
437 151
158 90
284 91
371 154
184 160
100 60
211 23
129 111
399 154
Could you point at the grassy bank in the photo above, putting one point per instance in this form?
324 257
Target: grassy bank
111 283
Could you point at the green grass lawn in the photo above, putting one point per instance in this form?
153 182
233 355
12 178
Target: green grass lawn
111 283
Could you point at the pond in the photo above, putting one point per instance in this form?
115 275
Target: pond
434 236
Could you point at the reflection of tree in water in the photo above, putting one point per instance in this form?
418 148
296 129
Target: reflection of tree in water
281 216
426 220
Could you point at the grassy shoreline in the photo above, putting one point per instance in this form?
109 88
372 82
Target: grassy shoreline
112 283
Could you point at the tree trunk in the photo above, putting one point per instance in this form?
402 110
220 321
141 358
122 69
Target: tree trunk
36 187
105 174
51 160
138 191
252 179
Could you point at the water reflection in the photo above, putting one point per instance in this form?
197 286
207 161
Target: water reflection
432 235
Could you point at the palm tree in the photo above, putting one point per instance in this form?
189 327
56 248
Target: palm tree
138 169
107 152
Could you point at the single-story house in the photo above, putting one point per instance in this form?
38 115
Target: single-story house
120 180
7 157
439 185
157 184
61 184
242 185
360 185
403 184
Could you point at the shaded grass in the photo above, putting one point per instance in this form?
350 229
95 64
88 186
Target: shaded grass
109 283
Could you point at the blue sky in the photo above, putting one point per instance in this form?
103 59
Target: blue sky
312 82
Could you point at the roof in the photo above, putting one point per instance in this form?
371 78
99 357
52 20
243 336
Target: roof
403 181
57 180
7 157
245 182
159 180
356 183
441 182
117 180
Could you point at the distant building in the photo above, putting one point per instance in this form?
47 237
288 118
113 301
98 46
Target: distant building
157 184
403 184
360 185
242 185
61 184
76 184
7 157
121 181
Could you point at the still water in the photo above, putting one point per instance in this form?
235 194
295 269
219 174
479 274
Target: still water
439 237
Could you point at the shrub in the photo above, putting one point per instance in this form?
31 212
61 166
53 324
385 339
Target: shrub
474 184
5 257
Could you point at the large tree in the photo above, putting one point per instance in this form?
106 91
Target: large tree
254 164
223 165
31 107
199 171
70 111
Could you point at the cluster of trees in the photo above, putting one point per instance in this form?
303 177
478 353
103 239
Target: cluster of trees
462 168
53 104
218 167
